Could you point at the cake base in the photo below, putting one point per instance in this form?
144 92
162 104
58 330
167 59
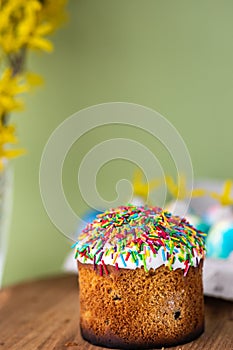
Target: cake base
134 309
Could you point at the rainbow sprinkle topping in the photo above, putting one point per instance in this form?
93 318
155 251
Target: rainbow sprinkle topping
131 237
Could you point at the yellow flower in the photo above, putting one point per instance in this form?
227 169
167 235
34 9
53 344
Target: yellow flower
28 28
36 40
54 13
179 190
11 13
7 134
224 198
25 23
33 79
141 188
7 137
10 87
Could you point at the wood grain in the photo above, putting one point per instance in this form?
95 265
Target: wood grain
43 315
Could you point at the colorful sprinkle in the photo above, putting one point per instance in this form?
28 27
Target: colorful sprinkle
105 267
123 260
132 234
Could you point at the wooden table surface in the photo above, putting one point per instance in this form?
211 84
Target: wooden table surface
44 315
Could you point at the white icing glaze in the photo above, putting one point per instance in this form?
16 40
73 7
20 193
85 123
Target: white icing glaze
152 262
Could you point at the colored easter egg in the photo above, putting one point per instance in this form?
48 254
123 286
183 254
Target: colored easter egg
219 242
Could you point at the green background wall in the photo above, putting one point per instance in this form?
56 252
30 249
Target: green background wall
173 56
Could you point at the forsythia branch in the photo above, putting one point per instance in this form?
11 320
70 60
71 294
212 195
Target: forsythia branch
24 26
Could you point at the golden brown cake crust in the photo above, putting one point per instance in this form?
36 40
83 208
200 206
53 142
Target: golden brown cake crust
133 309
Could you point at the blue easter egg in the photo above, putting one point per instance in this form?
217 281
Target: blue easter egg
219 242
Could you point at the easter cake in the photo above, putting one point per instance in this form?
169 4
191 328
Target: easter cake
140 279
